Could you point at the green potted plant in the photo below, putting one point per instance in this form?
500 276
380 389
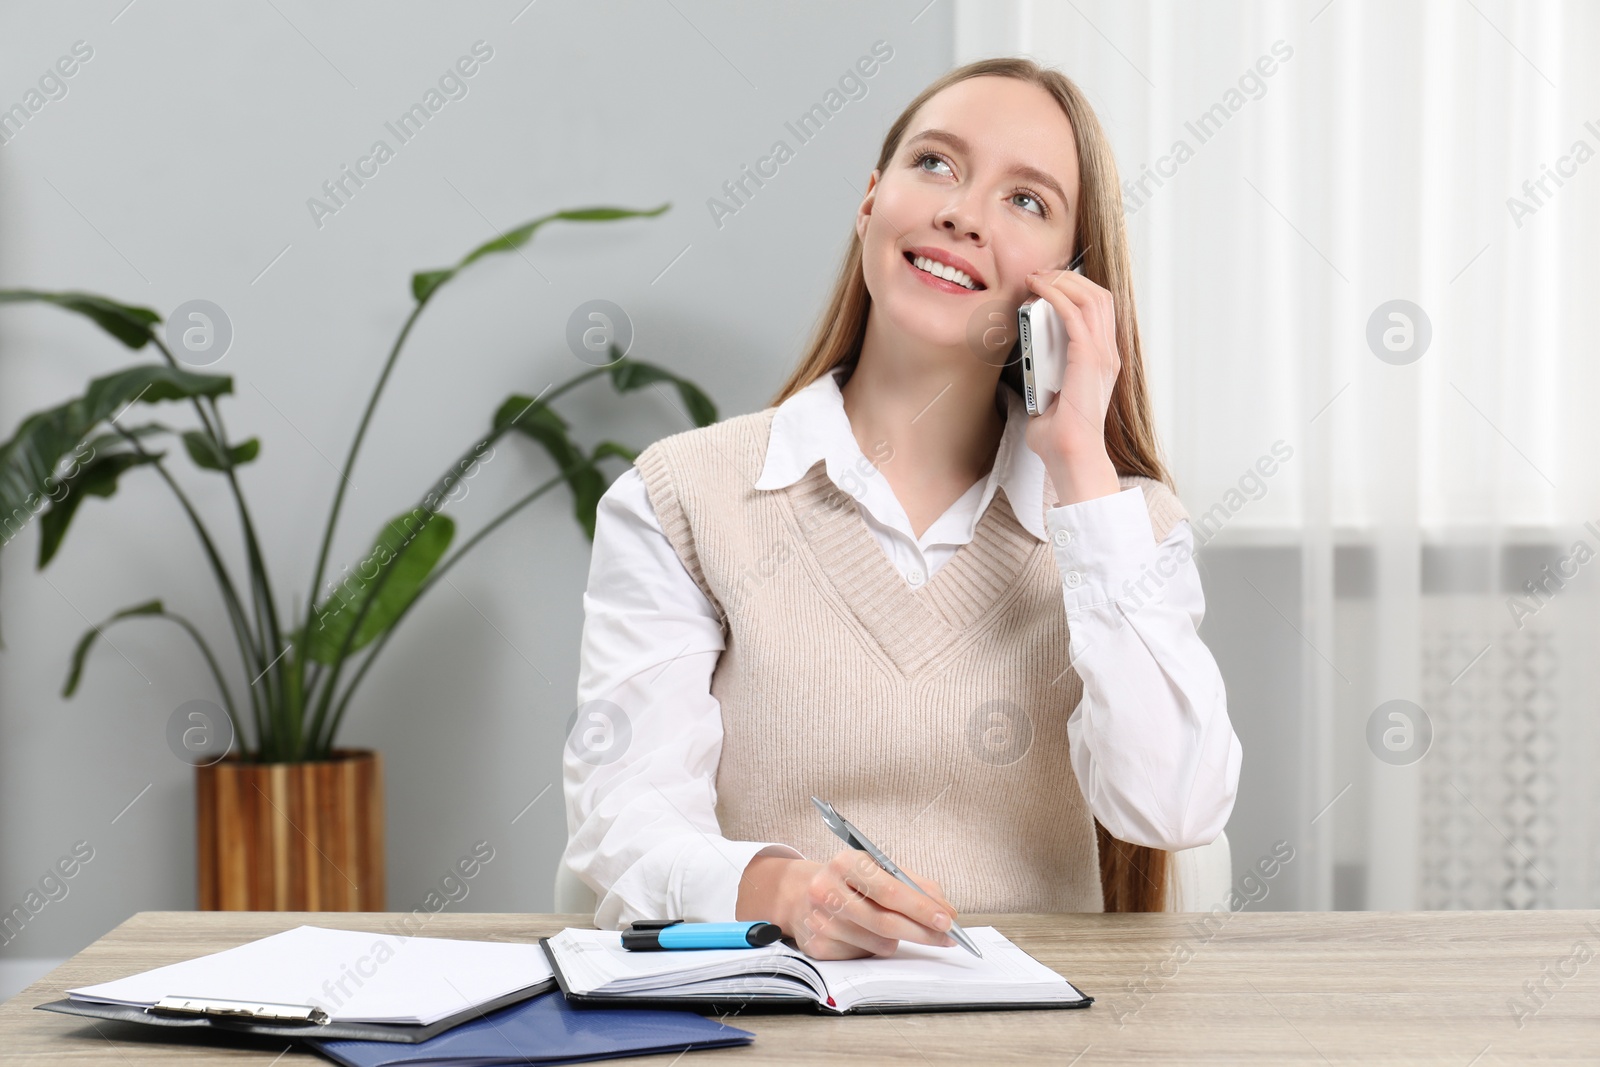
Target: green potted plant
288 820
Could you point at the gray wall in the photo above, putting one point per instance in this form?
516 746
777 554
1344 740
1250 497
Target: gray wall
1261 661
178 166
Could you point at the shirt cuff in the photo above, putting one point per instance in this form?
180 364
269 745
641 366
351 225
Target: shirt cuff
1102 546
709 891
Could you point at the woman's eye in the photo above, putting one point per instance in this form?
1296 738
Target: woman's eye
925 157
1038 205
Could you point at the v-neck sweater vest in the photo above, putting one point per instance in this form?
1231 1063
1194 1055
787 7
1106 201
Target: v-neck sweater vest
934 718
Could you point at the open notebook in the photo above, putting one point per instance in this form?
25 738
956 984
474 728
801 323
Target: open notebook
593 967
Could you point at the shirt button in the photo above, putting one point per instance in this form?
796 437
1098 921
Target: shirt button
1073 579
1063 538
915 577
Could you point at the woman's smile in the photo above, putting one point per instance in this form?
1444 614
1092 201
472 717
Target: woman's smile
942 275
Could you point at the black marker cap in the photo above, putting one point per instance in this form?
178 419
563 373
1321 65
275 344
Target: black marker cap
763 934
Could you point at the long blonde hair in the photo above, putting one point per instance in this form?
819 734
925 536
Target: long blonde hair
1132 877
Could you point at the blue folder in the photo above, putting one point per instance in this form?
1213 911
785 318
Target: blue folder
544 1030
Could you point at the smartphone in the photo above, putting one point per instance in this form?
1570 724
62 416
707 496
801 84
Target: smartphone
1043 337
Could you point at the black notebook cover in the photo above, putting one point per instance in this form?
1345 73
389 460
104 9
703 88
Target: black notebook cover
299 1031
772 1003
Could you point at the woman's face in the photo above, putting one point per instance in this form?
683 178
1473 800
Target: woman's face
985 180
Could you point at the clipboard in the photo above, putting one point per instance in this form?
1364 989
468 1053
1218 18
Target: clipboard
295 1022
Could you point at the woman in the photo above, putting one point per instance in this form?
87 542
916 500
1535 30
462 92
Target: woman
970 643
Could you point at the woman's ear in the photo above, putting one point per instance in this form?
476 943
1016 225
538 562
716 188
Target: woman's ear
866 206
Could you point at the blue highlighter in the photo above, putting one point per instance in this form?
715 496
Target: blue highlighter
654 935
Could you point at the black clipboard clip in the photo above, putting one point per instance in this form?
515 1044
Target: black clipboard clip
305 1014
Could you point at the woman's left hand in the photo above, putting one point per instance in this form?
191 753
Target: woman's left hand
1073 428
1071 434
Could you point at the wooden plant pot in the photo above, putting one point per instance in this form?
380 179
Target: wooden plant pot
291 836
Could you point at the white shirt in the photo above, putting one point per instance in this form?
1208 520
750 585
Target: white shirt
1150 741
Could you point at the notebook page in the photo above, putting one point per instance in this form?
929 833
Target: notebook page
354 976
925 974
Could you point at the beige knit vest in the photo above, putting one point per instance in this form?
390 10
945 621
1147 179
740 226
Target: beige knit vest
932 717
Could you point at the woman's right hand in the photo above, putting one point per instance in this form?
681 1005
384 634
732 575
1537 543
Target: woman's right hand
843 909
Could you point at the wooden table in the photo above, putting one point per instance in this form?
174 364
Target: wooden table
1244 988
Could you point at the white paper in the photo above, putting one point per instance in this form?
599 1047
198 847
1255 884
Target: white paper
352 975
923 974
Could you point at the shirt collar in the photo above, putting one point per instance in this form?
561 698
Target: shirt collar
812 425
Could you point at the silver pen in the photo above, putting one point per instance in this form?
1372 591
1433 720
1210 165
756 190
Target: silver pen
856 839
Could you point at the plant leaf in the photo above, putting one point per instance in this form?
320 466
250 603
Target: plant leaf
128 324
612 448
542 424
426 282
203 450
533 417
409 546
110 441
628 375
81 652
28 462
96 478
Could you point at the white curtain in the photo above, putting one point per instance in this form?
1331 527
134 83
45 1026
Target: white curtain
1340 156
